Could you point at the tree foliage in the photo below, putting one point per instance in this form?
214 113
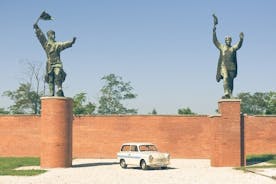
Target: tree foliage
154 111
27 97
114 92
4 111
81 106
258 103
185 111
25 100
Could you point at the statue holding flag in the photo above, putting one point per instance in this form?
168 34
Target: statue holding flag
227 63
55 74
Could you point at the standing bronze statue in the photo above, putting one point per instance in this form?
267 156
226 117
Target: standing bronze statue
55 74
227 63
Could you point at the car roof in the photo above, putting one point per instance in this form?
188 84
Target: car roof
137 143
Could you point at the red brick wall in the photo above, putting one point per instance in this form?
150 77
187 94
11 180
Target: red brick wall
19 135
226 133
260 134
102 136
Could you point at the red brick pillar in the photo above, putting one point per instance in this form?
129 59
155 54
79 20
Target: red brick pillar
227 148
56 132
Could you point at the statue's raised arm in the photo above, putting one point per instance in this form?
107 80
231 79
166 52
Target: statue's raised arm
215 39
239 44
40 35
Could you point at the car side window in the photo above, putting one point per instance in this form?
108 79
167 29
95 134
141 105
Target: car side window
126 148
134 148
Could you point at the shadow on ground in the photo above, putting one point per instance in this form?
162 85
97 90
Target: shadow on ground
151 169
95 164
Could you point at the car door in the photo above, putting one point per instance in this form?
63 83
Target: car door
134 157
125 152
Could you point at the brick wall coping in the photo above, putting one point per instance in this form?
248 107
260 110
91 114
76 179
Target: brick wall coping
214 116
18 115
268 115
138 115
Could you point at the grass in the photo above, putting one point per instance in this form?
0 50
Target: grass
268 159
8 164
255 159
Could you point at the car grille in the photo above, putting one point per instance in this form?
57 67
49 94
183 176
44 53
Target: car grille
160 160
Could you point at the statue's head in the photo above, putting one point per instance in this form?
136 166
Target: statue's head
51 35
228 40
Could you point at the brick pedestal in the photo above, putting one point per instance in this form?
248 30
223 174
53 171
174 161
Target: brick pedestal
56 132
227 148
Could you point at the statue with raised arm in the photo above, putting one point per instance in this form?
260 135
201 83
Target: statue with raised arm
55 74
227 63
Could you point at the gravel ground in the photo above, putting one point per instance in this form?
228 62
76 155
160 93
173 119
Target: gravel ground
108 171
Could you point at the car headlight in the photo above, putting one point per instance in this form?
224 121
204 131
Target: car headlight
150 158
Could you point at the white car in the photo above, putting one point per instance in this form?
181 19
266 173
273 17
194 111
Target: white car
142 154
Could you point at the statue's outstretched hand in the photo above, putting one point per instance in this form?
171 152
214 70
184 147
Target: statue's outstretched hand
74 40
241 35
35 26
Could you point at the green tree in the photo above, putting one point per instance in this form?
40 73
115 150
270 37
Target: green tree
114 92
185 111
258 103
4 111
81 106
27 97
25 100
154 111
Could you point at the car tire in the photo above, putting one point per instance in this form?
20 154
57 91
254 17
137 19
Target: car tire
164 167
123 164
143 165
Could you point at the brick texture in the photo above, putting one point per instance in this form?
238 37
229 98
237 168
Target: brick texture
56 132
226 135
260 135
19 135
102 136
181 136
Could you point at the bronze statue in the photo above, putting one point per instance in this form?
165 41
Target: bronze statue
227 63
55 74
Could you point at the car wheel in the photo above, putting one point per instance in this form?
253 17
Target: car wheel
143 165
123 163
164 167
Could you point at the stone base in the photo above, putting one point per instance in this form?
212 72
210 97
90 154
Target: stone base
56 132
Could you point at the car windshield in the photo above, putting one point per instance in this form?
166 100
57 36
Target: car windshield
147 148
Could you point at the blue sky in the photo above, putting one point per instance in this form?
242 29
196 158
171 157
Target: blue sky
164 48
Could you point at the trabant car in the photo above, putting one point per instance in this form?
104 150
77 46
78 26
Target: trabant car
142 154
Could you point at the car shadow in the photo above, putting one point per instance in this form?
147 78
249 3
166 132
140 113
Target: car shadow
95 164
152 169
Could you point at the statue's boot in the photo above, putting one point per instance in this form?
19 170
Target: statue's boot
60 92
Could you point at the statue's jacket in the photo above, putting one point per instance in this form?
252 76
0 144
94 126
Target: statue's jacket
52 49
227 57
